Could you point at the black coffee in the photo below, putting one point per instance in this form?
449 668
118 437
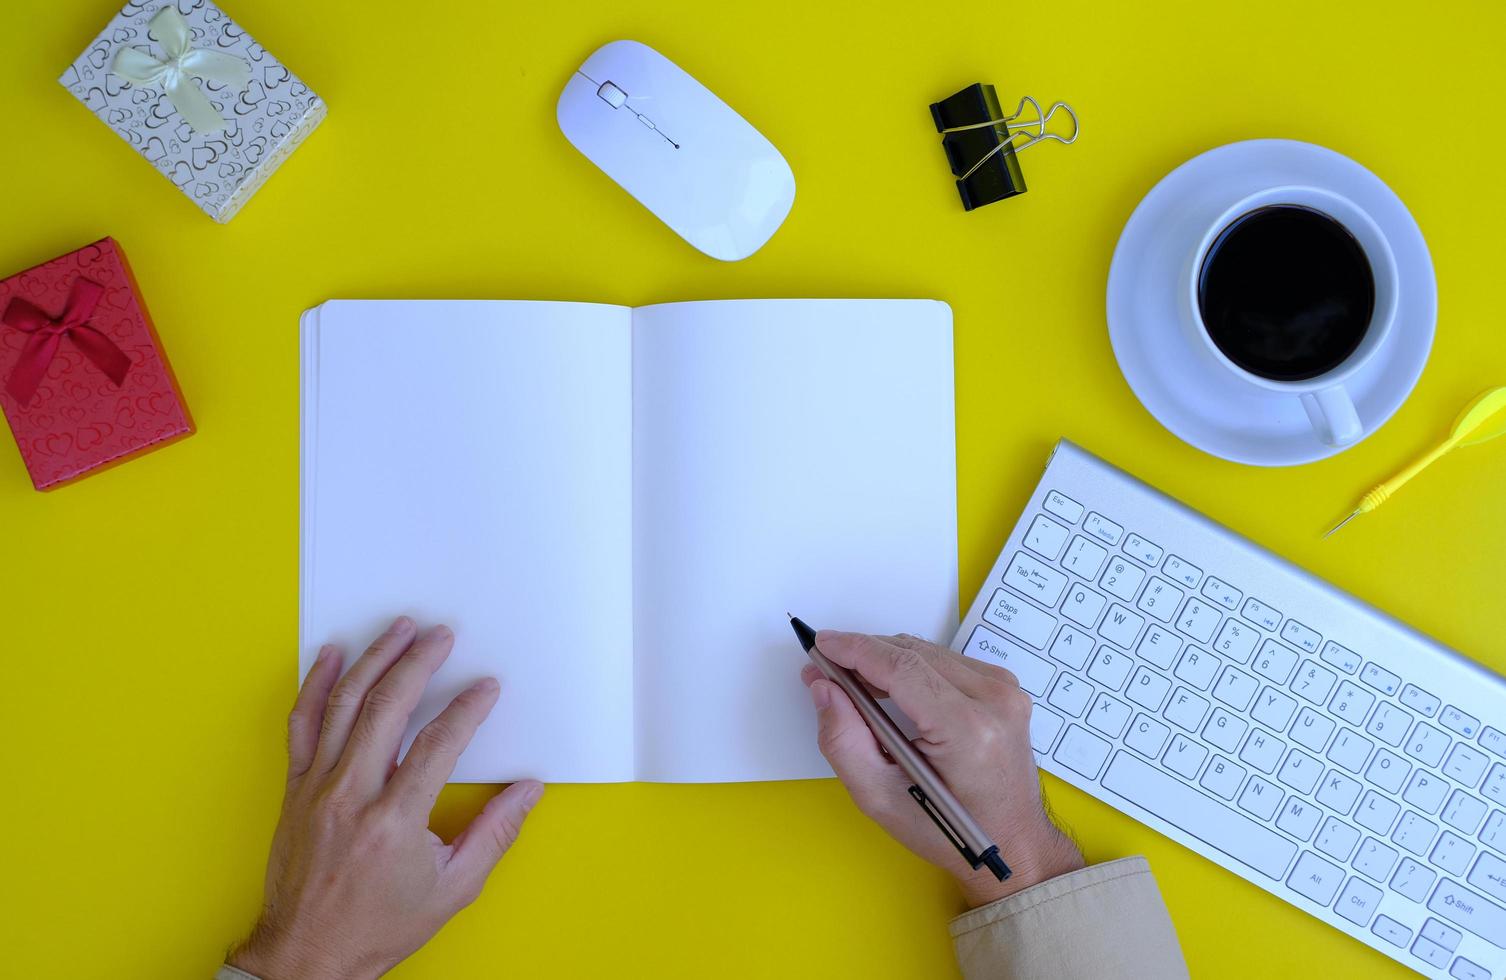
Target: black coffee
1286 292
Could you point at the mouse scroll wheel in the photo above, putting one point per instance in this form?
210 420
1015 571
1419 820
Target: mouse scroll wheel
612 95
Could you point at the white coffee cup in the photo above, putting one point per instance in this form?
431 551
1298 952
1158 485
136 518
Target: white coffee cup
1329 406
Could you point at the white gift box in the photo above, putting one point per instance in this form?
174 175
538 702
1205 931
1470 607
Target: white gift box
195 94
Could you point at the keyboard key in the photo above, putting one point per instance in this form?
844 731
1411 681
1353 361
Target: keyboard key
1414 832
1109 715
1494 741
1261 614
1110 668
1260 798
1033 673
1465 765
1121 627
1457 721
1443 935
1413 880
1262 750
1274 709
1391 931
1184 756
1430 952
1216 825
1376 812
1494 786
1085 558
1147 736
1311 730
1471 912
1044 726
1082 751
1358 901
1148 689
1235 688
1222 593
1142 550
1046 537
1035 580
1464 969
1452 854
1122 579
1426 791
1341 657
1160 599
1186 709
1313 682
1351 703
1063 506
1338 791
1102 528
1300 771
1299 818
1464 813
1083 606
1349 750
1199 620
1388 771
1070 694
1235 640
1380 678
1072 647
1374 859
1224 730
1419 700
1389 724
1159 646
1337 839
1017 618
1274 662
1183 571
1316 878
1490 834
1197 668
1489 874
1222 777
1302 637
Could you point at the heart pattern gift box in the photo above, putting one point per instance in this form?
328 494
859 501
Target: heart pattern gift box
195 94
84 383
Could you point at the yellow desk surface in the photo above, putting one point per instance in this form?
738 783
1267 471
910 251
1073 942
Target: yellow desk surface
151 611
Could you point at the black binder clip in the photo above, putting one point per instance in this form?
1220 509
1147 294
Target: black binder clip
981 146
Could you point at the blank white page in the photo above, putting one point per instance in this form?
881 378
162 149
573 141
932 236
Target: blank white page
470 463
788 455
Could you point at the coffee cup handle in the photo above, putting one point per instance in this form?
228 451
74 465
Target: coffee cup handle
1331 412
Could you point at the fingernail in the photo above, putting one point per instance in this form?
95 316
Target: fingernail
401 624
531 795
486 685
821 695
827 636
325 652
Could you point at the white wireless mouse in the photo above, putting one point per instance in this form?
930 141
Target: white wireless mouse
681 151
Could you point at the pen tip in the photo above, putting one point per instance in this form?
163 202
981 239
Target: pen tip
1339 525
790 614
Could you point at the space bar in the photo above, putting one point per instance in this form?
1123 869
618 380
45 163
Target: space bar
1212 823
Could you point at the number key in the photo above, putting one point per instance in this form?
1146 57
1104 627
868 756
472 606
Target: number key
1198 620
1235 640
1084 558
1352 703
1313 683
1122 579
1389 724
1160 599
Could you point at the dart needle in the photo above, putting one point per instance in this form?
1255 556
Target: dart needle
1340 524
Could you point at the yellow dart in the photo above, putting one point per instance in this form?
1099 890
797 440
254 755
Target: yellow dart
1481 421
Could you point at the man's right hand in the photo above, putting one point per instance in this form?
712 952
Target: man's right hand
973 722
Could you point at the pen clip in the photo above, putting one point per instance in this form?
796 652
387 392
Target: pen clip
967 853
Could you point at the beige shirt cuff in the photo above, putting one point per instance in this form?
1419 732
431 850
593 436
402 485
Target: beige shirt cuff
228 972
1104 922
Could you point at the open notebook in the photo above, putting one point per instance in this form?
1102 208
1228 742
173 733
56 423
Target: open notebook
614 508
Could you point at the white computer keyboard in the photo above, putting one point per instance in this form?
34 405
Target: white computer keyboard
1247 710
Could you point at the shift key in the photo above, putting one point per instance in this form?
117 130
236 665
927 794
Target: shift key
1464 908
1019 619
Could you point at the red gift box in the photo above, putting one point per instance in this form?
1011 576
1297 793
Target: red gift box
84 383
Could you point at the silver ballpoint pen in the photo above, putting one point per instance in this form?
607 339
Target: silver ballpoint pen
948 813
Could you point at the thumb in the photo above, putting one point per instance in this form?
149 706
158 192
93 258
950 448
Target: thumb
848 744
495 829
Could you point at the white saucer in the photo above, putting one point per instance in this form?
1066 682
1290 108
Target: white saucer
1214 413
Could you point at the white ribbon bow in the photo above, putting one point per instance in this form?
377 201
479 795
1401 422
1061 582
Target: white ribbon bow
176 75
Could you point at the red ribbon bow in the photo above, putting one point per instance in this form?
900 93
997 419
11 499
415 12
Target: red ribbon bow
47 335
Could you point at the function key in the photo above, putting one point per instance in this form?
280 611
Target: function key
1301 636
1222 592
1380 678
1493 741
1456 720
1419 700
1046 537
1261 614
1063 506
1103 528
1142 550
1346 660
1182 570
